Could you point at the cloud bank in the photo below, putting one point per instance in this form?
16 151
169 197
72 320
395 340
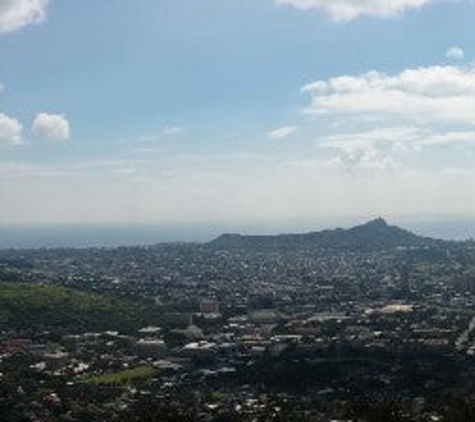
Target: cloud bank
414 109
429 94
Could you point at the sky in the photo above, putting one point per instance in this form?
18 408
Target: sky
276 112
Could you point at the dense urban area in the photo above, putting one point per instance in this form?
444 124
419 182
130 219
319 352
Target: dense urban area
368 324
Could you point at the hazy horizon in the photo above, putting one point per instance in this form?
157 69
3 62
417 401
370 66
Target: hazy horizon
114 235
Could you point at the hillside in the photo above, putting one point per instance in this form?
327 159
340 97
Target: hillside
34 306
374 235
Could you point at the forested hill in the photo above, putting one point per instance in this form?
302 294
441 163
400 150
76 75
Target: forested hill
27 306
374 235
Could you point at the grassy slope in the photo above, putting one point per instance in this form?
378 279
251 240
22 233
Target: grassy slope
24 306
123 377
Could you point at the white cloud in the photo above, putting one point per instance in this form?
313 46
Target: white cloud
167 131
368 160
348 10
282 132
378 148
370 150
368 139
54 127
448 138
402 138
455 53
16 14
172 130
10 130
427 94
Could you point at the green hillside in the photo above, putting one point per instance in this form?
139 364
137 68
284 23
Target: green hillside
26 306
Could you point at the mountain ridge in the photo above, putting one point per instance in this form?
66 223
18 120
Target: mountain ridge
372 235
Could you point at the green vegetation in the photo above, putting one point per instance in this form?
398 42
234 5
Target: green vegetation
123 377
36 306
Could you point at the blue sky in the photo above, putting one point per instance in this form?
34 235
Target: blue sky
161 111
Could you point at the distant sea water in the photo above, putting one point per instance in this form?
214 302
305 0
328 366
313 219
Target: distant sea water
80 236
443 229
